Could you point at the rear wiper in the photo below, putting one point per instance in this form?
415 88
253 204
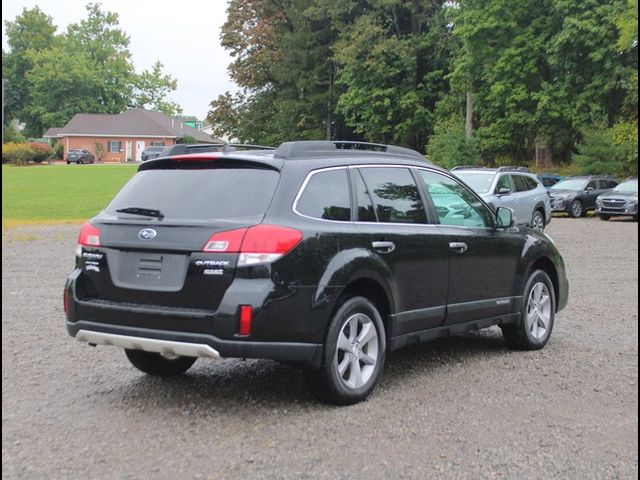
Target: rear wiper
147 212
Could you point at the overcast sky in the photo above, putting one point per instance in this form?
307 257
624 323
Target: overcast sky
184 36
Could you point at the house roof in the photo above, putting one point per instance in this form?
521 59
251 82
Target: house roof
132 123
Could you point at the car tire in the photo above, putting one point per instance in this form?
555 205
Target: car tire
537 314
576 209
604 217
354 354
68 162
537 221
159 364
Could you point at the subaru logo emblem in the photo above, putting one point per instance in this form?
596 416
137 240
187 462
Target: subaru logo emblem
147 234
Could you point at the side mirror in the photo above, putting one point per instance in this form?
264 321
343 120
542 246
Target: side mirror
504 217
503 191
588 189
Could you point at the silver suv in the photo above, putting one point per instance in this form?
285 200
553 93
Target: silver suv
512 187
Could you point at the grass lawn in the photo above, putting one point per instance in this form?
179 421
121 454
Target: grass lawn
59 193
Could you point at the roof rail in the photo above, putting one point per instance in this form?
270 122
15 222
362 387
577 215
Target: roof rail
513 169
312 148
230 147
465 167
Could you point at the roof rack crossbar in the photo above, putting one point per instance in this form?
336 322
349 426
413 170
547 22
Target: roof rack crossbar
309 148
513 169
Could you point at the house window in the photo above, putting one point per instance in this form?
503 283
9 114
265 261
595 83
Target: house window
115 147
157 144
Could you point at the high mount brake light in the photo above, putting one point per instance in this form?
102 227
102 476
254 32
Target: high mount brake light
259 244
89 236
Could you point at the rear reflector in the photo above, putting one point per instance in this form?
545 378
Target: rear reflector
259 244
246 316
66 301
89 236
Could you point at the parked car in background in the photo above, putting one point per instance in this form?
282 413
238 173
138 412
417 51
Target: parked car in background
621 201
327 255
549 179
151 152
577 195
512 187
80 156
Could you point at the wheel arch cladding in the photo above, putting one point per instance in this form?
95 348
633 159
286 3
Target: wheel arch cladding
547 266
375 293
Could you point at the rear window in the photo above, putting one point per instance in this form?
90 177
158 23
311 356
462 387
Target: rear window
199 194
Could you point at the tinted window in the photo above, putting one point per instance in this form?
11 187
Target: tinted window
199 194
607 184
327 196
395 195
591 185
547 182
521 183
366 213
455 204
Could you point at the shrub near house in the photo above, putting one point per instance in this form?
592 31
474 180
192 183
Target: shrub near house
23 153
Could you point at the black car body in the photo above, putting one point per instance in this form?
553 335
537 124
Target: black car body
315 253
80 156
151 152
622 201
577 195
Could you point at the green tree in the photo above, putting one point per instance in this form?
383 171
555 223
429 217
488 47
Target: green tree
30 32
392 64
151 90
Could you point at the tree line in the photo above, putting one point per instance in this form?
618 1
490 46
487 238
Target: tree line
535 82
48 77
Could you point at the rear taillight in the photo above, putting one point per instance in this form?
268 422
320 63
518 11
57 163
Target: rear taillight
259 244
89 236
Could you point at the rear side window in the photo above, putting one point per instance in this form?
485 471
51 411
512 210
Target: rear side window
326 196
395 195
199 194
523 184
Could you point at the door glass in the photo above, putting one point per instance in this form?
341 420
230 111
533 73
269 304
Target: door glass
395 195
327 196
520 183
454 203
503 185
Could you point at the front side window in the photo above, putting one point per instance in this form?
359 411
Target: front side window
394 194
327 196
504 184
455 204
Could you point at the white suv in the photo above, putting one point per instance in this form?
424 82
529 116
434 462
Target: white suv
512 187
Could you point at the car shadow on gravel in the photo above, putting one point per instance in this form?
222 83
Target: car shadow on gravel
234 384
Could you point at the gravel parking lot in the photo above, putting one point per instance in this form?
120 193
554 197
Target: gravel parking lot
463 407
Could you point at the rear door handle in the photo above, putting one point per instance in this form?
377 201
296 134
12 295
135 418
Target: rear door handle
458 247
383 247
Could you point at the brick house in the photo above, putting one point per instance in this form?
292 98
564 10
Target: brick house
122 137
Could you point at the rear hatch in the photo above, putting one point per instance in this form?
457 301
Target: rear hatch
156 243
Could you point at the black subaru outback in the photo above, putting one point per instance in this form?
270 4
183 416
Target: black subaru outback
323 254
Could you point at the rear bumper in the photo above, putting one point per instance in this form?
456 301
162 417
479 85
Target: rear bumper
192 344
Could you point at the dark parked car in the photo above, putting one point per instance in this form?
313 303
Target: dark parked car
548 180
577 195
80 156
621 201
151 152
322 254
